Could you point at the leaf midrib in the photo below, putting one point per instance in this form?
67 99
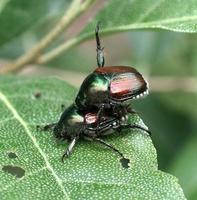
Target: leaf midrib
141 25
16 115
156 24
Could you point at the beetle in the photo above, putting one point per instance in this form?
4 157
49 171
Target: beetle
75 124
110 86
102 105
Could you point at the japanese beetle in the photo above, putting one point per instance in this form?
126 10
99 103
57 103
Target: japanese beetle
106 90
110 86
75 124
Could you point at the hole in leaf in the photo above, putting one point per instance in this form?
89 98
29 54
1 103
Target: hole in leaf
14 170
62 107
12 155
125 162
37 95
38 128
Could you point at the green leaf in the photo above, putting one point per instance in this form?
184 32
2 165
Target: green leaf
127 15
184 167
17 16
30 159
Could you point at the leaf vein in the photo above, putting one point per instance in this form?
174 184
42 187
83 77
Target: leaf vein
6 120
43 98
4 99
155 24
98 183
36 171
150 10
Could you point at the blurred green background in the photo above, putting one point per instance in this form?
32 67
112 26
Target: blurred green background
167 59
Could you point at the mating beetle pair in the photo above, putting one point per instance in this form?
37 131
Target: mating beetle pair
75 124
102 104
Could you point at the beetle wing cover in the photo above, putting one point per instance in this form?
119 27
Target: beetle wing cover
127 86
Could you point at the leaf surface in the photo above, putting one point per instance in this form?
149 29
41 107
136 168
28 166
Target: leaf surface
118 16
92 172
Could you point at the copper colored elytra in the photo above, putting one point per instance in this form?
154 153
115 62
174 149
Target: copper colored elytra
115 69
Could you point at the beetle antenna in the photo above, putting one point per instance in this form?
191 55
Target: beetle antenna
99 50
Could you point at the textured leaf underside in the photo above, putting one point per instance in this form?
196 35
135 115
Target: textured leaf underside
118 16
92 172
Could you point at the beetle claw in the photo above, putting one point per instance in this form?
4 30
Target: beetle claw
63 156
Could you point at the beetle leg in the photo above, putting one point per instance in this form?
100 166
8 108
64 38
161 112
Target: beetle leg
99 113
46 127
109 146
69 149
135 126
120 110
105 144
130 110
